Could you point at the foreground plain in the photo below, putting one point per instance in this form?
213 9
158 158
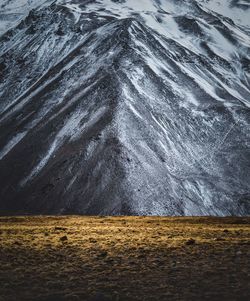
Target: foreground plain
124 258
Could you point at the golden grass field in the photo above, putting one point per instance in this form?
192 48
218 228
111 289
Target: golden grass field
124 258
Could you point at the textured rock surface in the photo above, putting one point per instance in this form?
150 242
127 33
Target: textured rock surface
125 107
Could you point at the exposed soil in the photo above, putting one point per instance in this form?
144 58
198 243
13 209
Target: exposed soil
124 258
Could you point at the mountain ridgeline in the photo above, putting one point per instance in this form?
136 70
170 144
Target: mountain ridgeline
125 108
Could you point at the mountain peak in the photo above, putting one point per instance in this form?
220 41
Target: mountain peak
111 107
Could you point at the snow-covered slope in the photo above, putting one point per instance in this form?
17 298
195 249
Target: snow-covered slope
13 11
126 107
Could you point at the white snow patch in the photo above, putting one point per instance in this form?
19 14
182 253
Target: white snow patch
11 144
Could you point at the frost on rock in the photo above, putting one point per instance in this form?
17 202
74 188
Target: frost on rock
125 107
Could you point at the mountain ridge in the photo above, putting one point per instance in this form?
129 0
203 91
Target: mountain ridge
103 114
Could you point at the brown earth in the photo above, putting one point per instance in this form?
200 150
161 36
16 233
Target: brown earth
124 258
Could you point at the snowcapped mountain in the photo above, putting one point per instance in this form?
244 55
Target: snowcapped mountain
125 107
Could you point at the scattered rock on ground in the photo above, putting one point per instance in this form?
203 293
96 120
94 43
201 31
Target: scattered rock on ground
64 238
191 241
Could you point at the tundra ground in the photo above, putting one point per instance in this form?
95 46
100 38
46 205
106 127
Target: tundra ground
124 258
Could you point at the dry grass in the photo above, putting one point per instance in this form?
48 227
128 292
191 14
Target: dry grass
124 258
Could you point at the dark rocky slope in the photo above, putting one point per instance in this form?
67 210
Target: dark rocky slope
115 109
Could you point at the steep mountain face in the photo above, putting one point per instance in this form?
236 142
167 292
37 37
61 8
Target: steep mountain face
125 107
